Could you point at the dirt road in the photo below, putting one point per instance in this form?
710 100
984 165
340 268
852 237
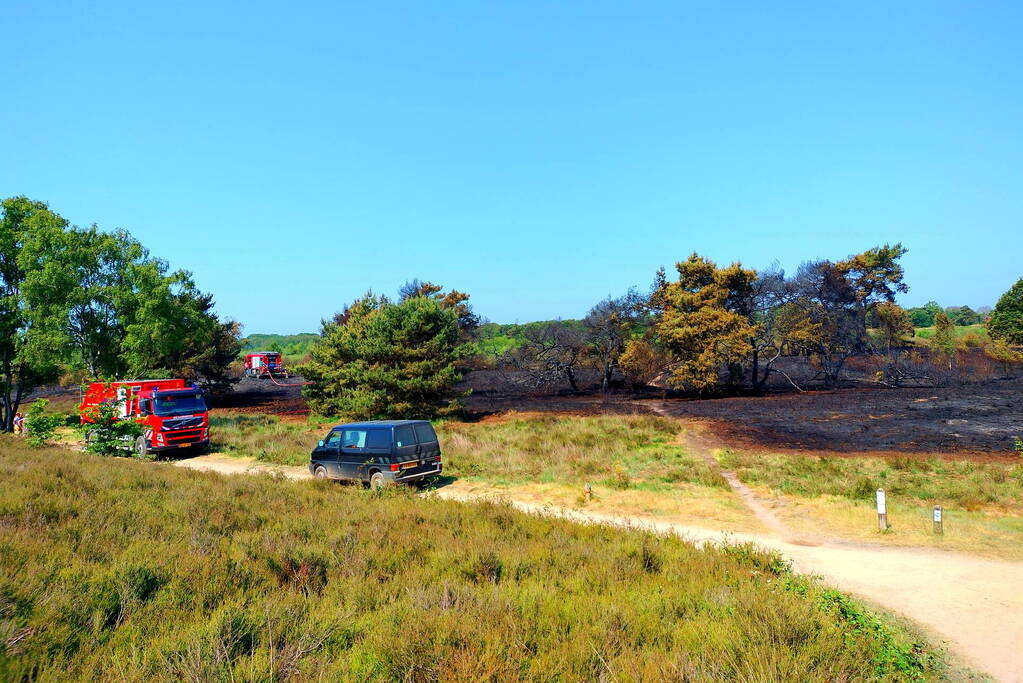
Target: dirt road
974 605
228 465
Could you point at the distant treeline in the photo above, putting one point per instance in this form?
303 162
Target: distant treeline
926 315
294 347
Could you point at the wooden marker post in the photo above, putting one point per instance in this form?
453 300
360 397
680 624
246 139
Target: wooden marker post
938 520
882 511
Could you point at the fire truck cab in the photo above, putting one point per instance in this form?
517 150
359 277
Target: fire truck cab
261 364
174 414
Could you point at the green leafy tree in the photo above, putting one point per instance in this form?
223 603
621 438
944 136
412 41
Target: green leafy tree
380 359
1006 321
944 341
91 272
963 315
30 348
83 299
923 316
876 276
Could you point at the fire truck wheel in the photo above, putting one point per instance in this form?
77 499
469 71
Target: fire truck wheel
141 446
320 473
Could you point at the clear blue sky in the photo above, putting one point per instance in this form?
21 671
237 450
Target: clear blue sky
537 155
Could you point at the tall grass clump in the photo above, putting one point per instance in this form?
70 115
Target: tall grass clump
115 569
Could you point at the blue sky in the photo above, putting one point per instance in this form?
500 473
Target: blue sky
537 155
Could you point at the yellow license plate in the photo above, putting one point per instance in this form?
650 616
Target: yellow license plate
408 465
186 445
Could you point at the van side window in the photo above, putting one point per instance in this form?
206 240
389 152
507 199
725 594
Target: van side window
425 433
404 436
333 439
354 438
379 438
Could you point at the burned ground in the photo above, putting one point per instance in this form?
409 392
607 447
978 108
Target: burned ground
977 417
265 397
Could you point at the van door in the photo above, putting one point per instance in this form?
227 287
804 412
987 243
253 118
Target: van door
328 454
429 448
406 448
354 454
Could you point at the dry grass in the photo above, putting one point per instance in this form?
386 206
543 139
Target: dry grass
633 464
620 452
989 533
834 496
696 506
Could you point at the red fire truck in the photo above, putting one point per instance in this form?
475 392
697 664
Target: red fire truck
260 364
174 413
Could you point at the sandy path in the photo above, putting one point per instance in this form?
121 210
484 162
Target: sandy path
974 605
227 465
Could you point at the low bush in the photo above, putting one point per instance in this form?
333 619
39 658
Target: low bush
107 434
113 569
41 426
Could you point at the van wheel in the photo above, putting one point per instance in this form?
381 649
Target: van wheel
377 481
320 472
141 447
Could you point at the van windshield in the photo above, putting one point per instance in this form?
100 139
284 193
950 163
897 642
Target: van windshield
167 405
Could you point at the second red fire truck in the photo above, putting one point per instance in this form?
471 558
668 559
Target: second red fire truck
261 364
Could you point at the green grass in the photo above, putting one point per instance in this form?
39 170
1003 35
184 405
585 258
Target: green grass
966 484
960 330
266 438
620 452
114 569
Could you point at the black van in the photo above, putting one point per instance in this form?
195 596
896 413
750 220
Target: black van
379 452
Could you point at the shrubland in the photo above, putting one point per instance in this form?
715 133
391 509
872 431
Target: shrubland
115 569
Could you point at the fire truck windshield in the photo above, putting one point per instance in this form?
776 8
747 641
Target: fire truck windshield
166 405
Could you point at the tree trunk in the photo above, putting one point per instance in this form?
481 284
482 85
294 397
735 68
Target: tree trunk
570 376
755 374
605 383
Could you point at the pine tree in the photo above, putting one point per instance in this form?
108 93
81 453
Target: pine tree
380 359
701 323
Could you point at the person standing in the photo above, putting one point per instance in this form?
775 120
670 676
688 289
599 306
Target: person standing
19 424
